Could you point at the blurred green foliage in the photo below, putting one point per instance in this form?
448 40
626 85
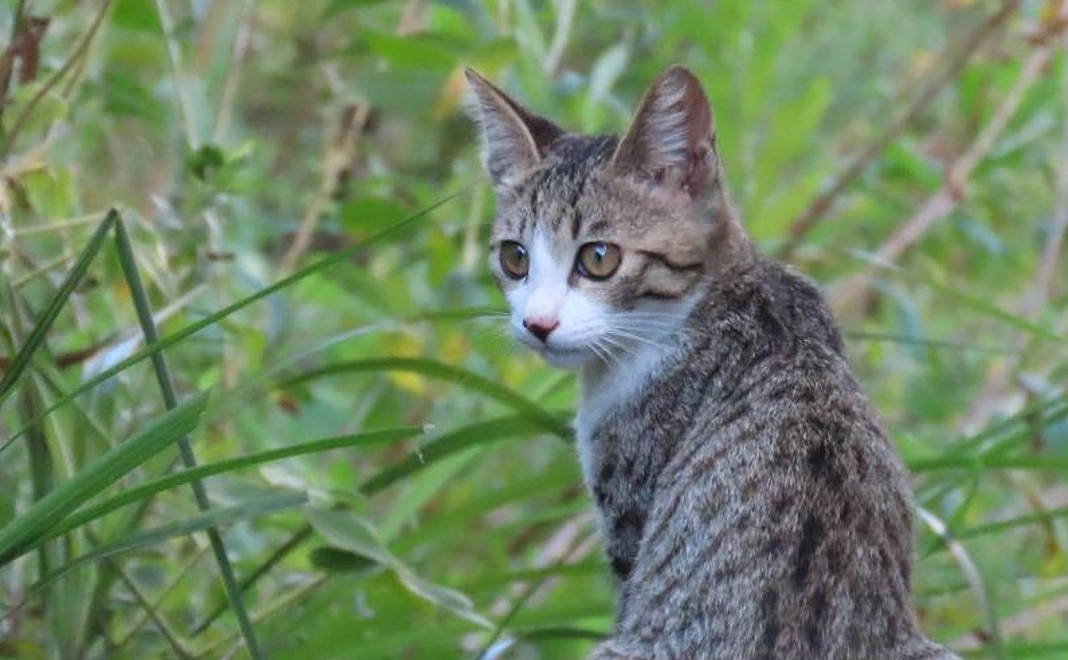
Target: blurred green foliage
391 475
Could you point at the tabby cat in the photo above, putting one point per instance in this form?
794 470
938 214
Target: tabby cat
750 501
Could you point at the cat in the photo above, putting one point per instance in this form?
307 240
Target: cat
750 501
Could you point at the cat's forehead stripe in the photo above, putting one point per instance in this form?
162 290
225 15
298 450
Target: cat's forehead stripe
555 191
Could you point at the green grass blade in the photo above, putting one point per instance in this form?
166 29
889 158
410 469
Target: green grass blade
44 323
471 435
986 462
202 522
279 553
457 375
997 439
984 306
341 256
26 531
201 471
185 448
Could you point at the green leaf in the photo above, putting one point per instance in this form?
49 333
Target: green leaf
201 522
139 15
471 435
419 51
179 335
337 560
336 7
351 532
205 161
423 487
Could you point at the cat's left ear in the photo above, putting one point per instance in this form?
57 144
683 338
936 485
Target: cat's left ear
671 141
514 140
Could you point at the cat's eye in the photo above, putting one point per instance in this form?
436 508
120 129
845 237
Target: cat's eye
514 260
598 260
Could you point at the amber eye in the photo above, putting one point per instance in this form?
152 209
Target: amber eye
598 261
514 260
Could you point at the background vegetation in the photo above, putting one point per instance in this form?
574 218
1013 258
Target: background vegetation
383 474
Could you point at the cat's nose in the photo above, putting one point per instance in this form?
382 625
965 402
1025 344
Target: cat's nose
540 328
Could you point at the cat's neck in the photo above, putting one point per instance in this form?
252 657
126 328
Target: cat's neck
623 374
631 362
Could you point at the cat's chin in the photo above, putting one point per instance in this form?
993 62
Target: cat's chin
565 358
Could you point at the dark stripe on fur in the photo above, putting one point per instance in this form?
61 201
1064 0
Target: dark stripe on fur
664 261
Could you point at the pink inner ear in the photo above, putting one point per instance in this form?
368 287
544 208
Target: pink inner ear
671 135
514 139
697 168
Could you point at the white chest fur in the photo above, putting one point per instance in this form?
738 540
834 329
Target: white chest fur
608 389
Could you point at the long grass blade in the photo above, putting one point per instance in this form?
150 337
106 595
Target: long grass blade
213 318
48 316
169 481
185 448
215 518
26 531
471 435
457 375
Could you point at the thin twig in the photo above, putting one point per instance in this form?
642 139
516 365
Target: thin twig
971 574
1038 296
339 156
952 191
287 600
565 18
7 58
183 572
174 51
150 612
233 75
1019 623
19 15
55 78
818 208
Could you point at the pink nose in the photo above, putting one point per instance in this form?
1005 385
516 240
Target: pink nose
540 328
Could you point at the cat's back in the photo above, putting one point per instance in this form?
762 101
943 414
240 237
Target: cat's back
780 520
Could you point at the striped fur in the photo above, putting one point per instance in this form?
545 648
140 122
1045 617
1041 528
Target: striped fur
751 504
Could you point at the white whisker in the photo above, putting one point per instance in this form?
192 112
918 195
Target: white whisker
602 354
622 347
623 333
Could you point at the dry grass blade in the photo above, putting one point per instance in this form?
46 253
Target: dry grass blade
972 575
819 207
937 207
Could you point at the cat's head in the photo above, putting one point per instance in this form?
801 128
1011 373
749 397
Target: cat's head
600 243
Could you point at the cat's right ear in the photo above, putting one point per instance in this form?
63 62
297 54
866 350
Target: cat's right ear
671 141
514 140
